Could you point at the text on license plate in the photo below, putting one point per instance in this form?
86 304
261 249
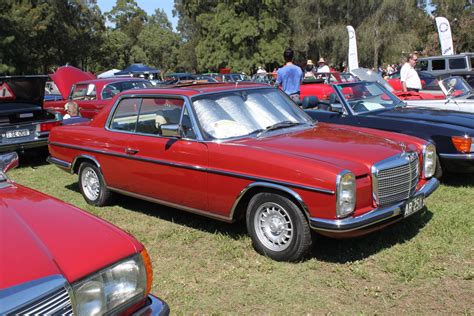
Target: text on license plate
17 133
414 205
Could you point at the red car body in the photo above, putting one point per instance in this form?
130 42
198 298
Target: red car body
220 178
89 93
320 86
48 245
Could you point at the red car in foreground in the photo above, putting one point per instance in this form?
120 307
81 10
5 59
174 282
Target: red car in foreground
89 93
56 259
231 151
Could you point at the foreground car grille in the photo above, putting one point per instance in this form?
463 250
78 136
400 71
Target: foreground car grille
56 303
395 179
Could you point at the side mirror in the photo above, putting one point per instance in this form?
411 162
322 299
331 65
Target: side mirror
171 130
337 108
7 162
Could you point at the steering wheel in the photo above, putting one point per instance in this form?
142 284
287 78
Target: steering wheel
357 106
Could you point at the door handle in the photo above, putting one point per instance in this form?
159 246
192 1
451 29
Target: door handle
131 151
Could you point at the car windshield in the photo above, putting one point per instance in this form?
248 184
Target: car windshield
367 96
455 86
246 112
112 89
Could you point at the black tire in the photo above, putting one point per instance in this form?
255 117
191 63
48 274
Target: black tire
268 216
92 185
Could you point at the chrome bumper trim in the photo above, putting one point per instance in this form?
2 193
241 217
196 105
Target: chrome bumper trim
60 163
457 156
155 306
392 212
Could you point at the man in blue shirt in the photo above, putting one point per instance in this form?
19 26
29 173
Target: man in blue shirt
290 76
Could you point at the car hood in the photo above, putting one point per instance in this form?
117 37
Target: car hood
66 76
42 236
343 146
429 115
20 94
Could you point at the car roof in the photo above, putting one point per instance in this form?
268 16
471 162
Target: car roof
195 89
110 80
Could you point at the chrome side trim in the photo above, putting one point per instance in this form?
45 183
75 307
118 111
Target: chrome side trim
181 207
73 165
272 186
457 156
15 297
193 167
392 212
59 163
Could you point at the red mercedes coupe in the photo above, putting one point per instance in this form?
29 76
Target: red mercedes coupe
231 151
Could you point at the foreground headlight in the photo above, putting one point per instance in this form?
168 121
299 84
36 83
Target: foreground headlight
113 288
429 160
345 193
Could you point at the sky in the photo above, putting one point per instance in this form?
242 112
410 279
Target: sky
148 5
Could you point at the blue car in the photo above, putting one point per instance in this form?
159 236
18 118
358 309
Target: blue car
368 104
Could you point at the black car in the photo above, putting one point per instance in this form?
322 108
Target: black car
24 123
368 104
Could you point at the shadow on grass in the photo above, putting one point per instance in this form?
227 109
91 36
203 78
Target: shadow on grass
235 231
353 249
457 180
33 159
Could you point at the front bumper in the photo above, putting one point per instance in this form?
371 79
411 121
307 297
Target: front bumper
458 163
155 306
378 217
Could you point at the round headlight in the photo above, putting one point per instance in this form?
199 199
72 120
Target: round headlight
345 193
429 160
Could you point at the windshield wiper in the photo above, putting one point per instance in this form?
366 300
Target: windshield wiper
278 125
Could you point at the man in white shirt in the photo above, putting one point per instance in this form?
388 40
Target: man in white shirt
322 67
408 75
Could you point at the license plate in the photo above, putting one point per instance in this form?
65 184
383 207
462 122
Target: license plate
414 205
17 133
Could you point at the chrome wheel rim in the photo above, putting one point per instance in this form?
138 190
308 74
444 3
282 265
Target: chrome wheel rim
90 183
273 226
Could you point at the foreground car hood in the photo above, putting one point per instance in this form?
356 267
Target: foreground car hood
43 236
429 115
342 146
65 77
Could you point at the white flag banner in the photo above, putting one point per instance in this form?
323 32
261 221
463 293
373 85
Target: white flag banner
445 38
353 59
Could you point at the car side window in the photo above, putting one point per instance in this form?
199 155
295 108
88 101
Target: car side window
125 115
155 112
84 92
457 63
422 65
438 64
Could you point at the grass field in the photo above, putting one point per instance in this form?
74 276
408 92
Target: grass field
423 265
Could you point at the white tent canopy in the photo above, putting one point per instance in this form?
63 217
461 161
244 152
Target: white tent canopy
108 73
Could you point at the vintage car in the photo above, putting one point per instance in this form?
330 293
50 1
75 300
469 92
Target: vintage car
320 84
369 104
90 94
24 122
230 151
59 260
428 81
455 93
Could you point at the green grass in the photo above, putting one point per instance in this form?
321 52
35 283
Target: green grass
422 265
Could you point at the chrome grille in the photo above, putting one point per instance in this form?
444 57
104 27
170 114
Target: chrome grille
395 179
56 303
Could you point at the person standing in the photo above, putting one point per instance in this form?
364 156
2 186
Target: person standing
408 75
290 76
322 67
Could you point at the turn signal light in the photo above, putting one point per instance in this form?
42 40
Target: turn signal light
462 143
149 270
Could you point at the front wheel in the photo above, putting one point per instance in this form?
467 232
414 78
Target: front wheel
277 227
92 185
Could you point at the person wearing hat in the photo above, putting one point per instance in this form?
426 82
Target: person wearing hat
322 66
309 69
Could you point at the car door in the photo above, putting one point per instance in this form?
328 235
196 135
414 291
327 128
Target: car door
168 169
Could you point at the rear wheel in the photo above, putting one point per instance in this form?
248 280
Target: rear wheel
92 185
277 227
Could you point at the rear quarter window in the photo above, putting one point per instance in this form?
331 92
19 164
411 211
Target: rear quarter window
125 115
